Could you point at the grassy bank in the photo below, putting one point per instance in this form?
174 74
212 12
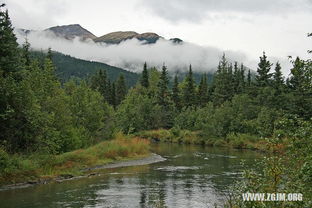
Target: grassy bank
238 141
21 168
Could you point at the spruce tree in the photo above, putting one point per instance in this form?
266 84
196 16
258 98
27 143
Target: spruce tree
202 91
236 80
49 54
223 82
99 82
189 89
121 89
164 101
263 76
300 83
297 78
113 95
9 53
26 53
278 79
249 78
144 78
242 82
176 93
163 87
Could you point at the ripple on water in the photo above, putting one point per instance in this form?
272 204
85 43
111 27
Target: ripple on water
176 156
177 168
206 156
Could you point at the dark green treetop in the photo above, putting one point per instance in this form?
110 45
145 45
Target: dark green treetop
144 78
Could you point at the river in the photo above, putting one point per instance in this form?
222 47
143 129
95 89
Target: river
191 176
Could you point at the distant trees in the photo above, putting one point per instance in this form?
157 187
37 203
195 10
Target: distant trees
113 92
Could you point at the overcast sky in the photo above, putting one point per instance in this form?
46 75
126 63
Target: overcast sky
278 27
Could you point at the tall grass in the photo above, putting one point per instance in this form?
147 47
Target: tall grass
20 168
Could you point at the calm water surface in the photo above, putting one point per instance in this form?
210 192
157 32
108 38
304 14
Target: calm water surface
192 176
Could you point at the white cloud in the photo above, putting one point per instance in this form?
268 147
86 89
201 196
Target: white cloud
132 54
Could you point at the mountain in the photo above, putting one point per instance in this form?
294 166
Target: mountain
71 31
68 67
118 37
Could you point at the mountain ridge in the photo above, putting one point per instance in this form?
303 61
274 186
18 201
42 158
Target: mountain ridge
72 31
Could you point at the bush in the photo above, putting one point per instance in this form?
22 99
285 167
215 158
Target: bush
4 161
8 163
241 140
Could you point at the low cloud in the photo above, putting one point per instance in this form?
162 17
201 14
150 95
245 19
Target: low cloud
131 54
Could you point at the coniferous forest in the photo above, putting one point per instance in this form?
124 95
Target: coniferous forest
265 110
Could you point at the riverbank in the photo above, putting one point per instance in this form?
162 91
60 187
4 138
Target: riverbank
38 168
237 141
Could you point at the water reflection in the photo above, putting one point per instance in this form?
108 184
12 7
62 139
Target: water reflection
192 176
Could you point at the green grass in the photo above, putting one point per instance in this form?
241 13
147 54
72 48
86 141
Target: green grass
19 168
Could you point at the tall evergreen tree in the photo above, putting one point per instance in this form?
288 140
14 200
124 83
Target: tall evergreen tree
297 78
145 78
176 93
189 89
9 53
278 79
163 87
121 89
202 91
263 76
99 83
300 83
49 54
113 95
164 100
236 76
26 53
223 82
249 78
242 82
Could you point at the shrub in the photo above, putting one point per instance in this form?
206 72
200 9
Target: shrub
4 161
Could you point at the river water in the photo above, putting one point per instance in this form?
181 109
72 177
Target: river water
192 176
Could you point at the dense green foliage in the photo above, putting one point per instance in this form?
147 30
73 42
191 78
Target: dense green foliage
37 113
